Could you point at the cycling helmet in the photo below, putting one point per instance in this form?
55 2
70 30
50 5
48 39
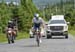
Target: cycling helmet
9 21
36 15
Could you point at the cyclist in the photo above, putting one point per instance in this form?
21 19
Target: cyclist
37 23
12 27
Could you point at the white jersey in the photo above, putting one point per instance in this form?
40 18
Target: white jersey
40 20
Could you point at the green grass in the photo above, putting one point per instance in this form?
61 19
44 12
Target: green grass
21 35
72 32
2 37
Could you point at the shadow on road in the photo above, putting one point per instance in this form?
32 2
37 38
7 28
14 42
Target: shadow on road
58 38
31 46
26 46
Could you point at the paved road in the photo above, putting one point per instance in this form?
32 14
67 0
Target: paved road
57 44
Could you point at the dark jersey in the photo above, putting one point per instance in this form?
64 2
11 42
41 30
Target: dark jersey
11 25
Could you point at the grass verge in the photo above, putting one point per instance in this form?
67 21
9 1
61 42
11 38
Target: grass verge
21 35
72 32
2 37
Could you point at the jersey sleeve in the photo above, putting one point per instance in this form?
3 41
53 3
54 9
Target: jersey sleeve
42 21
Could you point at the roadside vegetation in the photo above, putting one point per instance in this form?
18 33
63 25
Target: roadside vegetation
63 8
72 30
24 14
25 11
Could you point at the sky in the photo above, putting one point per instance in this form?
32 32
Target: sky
11 0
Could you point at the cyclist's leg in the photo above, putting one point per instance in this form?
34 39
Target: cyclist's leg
39 32
34 31
40 35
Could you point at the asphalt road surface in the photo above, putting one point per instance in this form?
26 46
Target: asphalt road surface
56 44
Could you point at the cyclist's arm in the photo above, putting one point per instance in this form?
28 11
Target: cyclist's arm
42 22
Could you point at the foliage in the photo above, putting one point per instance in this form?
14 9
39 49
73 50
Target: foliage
5 14
26 11
23 13
63 8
